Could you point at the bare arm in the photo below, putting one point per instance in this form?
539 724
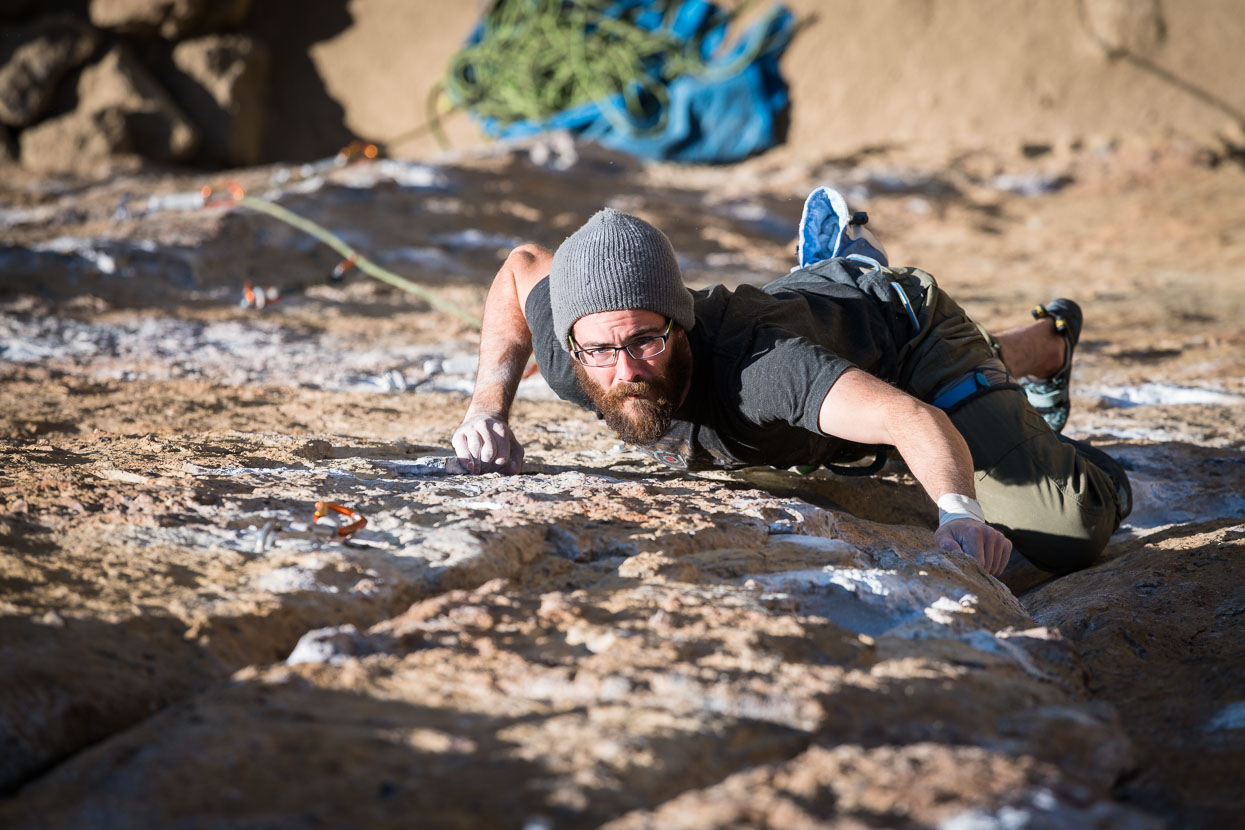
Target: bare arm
484 442
861 408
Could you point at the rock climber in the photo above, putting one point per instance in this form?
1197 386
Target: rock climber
843 355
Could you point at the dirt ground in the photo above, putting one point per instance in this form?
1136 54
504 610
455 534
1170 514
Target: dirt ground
151 427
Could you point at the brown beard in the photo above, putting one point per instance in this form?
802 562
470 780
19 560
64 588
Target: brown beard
652 413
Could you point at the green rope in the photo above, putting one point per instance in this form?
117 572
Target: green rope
536 58
360 261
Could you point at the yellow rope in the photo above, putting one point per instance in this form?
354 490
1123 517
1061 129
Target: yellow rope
364 264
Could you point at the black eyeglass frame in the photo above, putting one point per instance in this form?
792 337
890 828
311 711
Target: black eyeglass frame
664 337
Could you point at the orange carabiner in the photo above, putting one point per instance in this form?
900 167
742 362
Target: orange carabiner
357 522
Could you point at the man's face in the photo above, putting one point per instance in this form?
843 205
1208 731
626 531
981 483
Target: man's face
636 397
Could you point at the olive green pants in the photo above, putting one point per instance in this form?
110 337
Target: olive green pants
1058 508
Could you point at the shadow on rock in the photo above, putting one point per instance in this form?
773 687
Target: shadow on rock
363 760
1157 628
68 683
313 123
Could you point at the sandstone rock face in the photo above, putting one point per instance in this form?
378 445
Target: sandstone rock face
593 646
600 641
1175 688
168 18
222 85
666 638
121 109
33 59
849 786
71 682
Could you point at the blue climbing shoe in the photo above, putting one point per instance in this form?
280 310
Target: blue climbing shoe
1050 396
828 230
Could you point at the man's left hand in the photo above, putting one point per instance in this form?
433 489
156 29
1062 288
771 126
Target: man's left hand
980 541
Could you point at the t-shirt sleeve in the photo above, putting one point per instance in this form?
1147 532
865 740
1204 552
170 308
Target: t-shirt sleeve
553 361
785 377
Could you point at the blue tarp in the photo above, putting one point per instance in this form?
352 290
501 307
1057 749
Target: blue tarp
726 114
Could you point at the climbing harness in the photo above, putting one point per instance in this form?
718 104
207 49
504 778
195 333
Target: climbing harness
969 386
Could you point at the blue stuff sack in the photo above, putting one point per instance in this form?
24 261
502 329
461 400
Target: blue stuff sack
736 107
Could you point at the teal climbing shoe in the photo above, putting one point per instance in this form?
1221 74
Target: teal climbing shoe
1050 396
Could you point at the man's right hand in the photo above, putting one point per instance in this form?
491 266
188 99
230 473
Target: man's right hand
485 444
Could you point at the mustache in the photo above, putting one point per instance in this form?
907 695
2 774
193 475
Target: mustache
639 387
658 395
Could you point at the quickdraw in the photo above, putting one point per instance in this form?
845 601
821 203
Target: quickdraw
232 195
258 297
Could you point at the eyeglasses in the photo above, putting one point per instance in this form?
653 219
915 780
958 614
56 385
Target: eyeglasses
642 348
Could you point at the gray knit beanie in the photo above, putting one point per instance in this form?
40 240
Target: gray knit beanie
614 262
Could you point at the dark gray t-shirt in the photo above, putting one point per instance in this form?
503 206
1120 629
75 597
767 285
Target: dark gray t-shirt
762 363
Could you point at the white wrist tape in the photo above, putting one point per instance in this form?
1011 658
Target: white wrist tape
954 506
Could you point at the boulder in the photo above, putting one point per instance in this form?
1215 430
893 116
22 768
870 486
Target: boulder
171 19
121 109
33 59
220 81
78 138
1125 27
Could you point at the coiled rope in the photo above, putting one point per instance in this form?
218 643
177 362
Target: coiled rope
535 58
